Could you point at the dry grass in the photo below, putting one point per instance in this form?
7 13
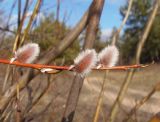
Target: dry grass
142 83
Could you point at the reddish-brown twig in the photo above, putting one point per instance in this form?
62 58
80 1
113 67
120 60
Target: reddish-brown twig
41 66
123 67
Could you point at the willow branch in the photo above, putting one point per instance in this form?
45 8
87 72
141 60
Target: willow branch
91 32
58 10
49 56
100 97
41 66
94 18
116 35
143 101
17 39
8 70
34 14
19 13
130 74
147 30
7 30
139 104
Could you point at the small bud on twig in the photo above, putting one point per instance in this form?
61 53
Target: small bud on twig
43 70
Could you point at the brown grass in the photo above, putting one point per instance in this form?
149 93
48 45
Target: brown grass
142 83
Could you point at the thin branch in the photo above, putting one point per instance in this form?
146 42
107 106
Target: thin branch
139 104
58 10
146 30
34 14
95 11
116 35
142 101
23 17
49 56
11 12
18 111
7 30
18 40
130 74
7 23
19 13
40 96
41 66
120 95
25 8
100 97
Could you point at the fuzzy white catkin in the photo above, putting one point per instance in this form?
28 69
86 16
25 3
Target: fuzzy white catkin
109 56
29 52
82 58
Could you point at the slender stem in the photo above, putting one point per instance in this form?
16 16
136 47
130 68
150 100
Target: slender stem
116 35
101 94
121 95
34 14
146 30
40 66
139 104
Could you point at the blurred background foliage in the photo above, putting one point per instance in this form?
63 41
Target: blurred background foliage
49 31
133 31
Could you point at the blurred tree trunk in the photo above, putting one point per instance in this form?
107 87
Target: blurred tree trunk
94 18
72 99
92 27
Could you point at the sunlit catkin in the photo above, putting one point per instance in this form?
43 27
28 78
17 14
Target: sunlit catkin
84 62
27 53
108 56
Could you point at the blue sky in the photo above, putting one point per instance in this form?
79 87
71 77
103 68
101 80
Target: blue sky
74 9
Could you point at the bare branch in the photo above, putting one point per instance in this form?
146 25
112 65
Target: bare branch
139 104
58 10
52 54
41 66
34 14
94 18
146 31
93 22
130 74
116 35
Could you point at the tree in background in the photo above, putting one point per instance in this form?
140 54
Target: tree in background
135 25
48 33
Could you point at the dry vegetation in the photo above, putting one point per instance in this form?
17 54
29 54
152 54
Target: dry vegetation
57 93
30 95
